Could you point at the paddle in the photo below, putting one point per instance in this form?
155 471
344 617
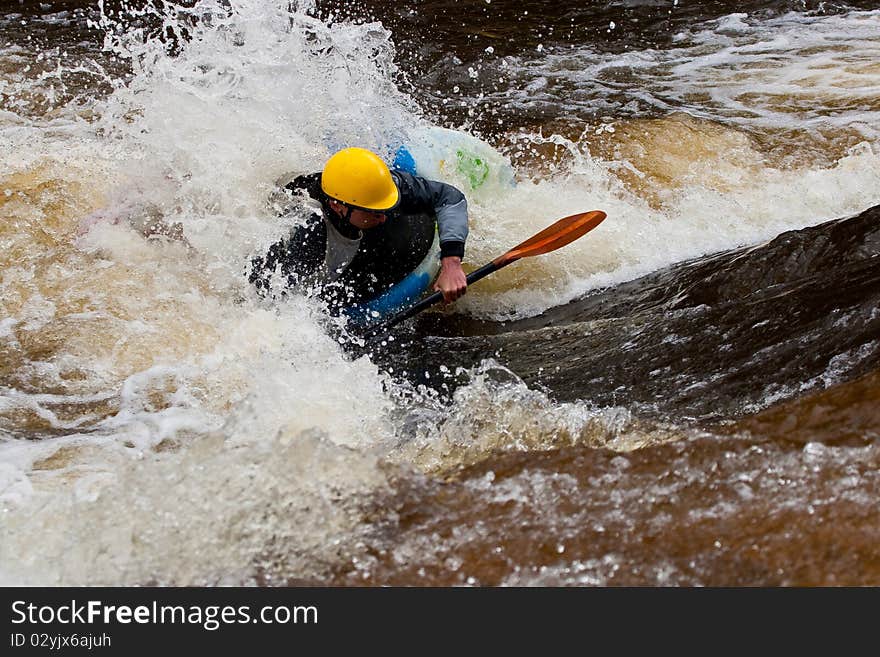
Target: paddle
553 237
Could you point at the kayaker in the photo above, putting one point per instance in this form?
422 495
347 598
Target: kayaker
369 228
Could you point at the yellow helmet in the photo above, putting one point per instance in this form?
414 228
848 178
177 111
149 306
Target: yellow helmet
361 179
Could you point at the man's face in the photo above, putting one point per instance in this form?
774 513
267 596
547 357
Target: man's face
364 219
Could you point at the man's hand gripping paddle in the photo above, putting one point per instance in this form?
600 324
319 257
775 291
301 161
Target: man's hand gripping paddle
553 237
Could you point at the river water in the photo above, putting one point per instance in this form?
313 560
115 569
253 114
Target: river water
685 396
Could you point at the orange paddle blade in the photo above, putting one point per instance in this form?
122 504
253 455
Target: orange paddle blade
555 236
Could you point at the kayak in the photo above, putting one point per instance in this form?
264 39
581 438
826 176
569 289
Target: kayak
401 295
452 156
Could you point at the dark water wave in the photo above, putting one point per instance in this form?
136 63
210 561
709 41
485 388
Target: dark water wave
435 29
710 340
428 28
445 49
446 46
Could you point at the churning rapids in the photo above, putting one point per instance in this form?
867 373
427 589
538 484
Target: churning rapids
688 395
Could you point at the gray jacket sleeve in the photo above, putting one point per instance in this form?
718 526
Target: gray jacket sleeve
419 194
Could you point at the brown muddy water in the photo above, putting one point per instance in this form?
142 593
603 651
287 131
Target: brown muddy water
684 397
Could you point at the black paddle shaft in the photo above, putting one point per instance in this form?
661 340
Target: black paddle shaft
429 301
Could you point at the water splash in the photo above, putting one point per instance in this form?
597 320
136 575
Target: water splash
162 424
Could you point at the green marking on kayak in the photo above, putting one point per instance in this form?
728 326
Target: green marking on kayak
473 168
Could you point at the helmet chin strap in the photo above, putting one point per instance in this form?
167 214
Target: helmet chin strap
345 216
342 220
